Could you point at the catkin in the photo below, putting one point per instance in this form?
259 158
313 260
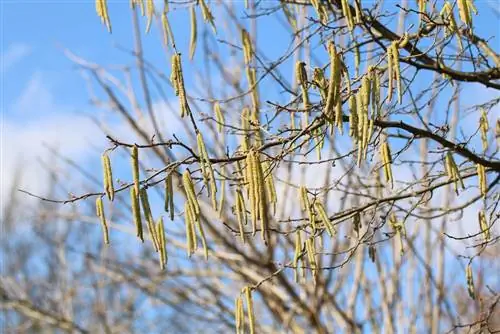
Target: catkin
150 11
194 33
306 206
483 225
297 255
251 315
311 255
389 74
481 174
177 80
470 281
134 200
321 10
207 14
149 218
239 314
483 128
219 117
453 172
160 233
190 192
301 76
207 169
451 27
397 72
346 11
320 210
100 213
334 83
202 237
241 214
188 222
135 168
386 158
247 46
167 32
169 196
102 12
108 177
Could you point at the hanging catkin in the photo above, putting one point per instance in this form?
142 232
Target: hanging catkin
194 32
108 177
100 213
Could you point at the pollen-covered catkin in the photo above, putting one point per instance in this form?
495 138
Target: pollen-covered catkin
194 32
483 128
169 196
150 11
100 213
167 32
247 46
160 233
108 177
483 225
135 168
470 281
207 14
481 174
136 213
102 12
177 80
251 314
219 117
149 218
297 255
320 210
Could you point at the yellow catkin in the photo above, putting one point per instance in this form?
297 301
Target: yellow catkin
207 14
301 76
386 158
167 31
470 281
320 82
219 117
241 214
133 3
202 237
108 177
102 12
483 128
422 4
251 314
238 315
188 222
375 99
453 172
483 225
353 117
150 12
247 46
135 168
252 82
399 228
222 198
321 10
290 17
136 213
320 210
311 255
207 170
269 184
100 213
397 72
481 174
169 196
177 80
390 74
297 255
306 206
346 11
334 83
190 192
452 27
149 218
252 190
194 32
160 232
464 12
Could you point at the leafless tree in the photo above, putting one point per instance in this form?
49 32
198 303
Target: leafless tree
344 178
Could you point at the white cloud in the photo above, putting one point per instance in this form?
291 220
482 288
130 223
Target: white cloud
33 122
13 54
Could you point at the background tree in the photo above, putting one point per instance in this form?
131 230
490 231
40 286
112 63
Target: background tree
335 171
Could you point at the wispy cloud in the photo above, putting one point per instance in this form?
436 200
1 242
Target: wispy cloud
12 55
